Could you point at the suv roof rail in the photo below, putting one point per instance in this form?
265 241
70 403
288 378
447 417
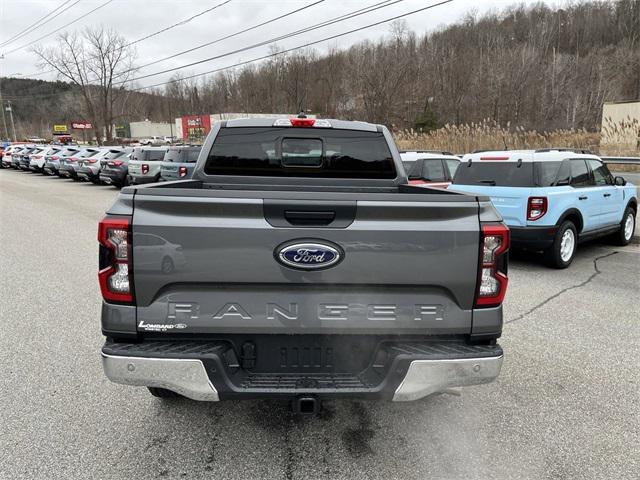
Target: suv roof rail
437 152
554 149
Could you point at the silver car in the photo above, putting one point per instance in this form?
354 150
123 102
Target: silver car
145 164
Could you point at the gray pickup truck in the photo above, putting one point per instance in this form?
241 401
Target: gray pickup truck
297 264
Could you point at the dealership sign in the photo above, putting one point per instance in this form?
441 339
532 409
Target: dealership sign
60 129
81 125
195 127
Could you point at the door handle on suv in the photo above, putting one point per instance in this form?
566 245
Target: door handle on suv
582 198
607 194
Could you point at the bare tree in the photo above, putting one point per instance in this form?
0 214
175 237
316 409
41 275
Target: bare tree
98 62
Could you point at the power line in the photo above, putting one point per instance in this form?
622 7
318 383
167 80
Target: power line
308 44
325 23
183 22
29 29
60 28
226 37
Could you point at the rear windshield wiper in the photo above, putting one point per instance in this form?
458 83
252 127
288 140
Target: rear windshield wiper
489 182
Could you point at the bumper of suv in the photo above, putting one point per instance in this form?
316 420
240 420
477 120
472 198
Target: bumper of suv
207 372
113 177
88 174
533 238
141 180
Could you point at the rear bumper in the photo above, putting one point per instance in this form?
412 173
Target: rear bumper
207 372
141 180
116 177
533 238
88 173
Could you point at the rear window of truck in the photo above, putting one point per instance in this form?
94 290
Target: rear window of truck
300 152
507 174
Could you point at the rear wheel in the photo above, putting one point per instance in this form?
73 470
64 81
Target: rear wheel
167 265
627 227
162 393
561 253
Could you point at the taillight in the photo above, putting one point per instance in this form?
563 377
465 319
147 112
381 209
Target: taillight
72 159
145 168
182 171
116 267
536 207
91 161
115 163
492 281
55 158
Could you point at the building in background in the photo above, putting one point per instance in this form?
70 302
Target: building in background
139 130
621 125
194 128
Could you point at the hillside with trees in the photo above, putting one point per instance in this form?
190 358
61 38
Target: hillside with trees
533 67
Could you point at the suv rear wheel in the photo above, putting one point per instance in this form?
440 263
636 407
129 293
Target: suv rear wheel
627 227
561 253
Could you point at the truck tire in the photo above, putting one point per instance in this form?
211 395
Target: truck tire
162 393
627 228
561 253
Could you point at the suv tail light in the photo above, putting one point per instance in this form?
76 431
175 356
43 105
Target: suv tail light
182 172
115 163
116 268
145 168
536 207
492 274
72 159
54 157
93 160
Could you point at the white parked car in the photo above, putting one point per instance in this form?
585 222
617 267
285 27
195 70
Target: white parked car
38 158
427 168
156 140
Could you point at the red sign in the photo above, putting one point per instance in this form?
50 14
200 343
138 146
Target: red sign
195 127
81 125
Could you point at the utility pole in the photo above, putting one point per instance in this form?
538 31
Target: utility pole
4 118
13 125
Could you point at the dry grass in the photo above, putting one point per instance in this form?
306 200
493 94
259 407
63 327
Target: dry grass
488 135
621 138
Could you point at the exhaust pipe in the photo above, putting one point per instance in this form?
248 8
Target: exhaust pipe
306 406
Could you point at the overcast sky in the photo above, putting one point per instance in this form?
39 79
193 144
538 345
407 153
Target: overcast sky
136 18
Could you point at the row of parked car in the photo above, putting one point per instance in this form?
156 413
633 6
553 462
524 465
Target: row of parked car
117 166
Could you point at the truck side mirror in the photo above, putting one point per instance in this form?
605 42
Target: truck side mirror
619 181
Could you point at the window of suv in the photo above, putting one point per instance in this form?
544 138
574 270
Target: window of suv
452 166
113 154
580 173
300 152
502 174
601 174
429 169
155 155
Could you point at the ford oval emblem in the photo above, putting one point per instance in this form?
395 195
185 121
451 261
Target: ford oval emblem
309 255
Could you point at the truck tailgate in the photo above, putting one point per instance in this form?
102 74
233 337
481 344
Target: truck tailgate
205 262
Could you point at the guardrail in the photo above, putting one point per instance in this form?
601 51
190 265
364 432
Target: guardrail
622 160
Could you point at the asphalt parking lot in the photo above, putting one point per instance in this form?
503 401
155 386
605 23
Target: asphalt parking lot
565 406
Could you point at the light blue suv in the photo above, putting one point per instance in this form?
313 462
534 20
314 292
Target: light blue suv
551 199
